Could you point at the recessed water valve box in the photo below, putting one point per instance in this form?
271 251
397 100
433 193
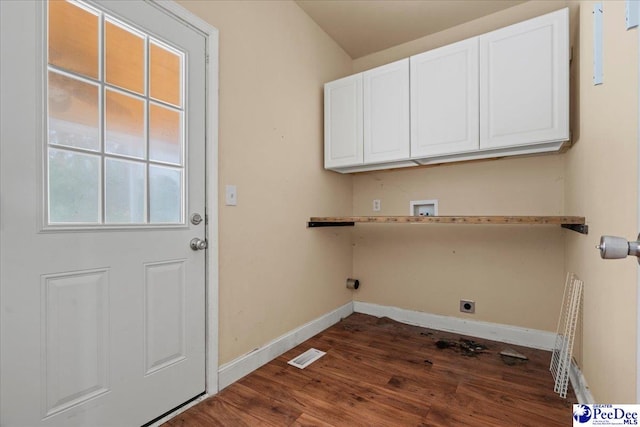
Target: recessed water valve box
423 208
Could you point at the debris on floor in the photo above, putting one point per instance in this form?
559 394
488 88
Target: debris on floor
445 344
466 347
352 328
512 353
385 321
512 357
471 348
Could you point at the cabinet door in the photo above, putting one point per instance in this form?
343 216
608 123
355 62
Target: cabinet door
524 82
386 113
343 122
444 100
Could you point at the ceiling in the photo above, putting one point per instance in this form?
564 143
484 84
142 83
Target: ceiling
362 27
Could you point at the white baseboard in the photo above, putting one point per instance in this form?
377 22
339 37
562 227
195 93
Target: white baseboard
579 384
238 368
525 337
533 338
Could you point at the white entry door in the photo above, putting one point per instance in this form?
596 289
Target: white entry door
102 303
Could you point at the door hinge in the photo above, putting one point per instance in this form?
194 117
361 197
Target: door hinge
571 55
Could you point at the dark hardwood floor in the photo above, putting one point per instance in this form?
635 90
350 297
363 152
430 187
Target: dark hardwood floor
378 372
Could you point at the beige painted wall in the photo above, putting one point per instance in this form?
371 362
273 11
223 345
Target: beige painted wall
513 273
275 274
601 183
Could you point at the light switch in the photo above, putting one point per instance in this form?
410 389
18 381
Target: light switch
231 195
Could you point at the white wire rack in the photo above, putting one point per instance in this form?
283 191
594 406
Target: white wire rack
563 348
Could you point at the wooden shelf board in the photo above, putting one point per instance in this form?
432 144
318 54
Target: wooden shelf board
575 223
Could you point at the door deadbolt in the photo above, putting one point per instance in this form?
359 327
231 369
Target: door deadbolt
196 219
614 247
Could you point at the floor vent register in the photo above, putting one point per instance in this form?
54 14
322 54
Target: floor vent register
306 358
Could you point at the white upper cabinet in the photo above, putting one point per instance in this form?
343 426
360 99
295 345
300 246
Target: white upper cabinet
386 113
444 100
503 93
524 83
343 143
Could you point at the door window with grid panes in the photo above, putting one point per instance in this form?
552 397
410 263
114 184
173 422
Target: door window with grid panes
115 120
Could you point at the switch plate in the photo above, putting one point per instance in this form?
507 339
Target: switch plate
376 205
231 195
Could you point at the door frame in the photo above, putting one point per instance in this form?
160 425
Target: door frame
211 36
638 227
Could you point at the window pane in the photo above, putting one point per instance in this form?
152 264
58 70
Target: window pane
74 187
124 125
165 190
124 192
73 112
165 134
124 58
165 75
73 38
116 142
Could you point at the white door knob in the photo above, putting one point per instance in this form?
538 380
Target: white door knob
198 244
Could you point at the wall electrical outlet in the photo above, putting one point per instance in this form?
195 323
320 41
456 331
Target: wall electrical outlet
231 195
376 205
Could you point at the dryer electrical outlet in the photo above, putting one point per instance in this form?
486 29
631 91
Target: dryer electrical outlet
467 306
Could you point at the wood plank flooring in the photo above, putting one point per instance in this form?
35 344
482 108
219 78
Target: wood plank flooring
378 372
